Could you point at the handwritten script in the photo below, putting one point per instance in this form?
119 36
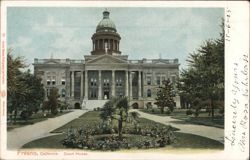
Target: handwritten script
239 105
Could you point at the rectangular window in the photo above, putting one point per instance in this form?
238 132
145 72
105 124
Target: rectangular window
53 82
173 79
163 78
48 82
158 80
47 92
148 80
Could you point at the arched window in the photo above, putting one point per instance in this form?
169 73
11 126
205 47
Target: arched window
148 93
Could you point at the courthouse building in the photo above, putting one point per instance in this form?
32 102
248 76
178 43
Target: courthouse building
105 73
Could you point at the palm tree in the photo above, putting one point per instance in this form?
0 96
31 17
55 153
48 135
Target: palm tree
122 108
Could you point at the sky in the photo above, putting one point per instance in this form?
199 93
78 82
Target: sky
42 32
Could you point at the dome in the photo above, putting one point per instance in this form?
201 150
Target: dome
106 24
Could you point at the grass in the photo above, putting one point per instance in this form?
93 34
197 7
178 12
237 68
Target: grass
92 118
35 118
202 119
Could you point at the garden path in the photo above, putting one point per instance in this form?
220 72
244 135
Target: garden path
201 130
20 136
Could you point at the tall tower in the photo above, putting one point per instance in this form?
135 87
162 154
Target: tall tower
106 40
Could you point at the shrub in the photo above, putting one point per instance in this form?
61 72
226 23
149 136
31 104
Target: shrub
189 112
221 111
168 112
25 114
153 110
196 113
54 111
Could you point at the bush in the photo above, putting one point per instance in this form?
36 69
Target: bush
189 112
221 111
153 110
25 114
54 112
196 113
168 112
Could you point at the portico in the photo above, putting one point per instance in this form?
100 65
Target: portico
104 84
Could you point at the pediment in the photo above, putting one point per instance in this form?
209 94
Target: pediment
106 59
161 62
51 61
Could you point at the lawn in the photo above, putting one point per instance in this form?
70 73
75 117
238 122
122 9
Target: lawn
202 119
91 118
38 117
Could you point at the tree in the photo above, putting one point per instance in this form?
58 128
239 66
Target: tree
108 111
116 108
122 112
204 77
165 96
36 93
25 91
17 89
53 100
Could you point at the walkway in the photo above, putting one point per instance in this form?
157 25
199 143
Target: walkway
201 130
16 138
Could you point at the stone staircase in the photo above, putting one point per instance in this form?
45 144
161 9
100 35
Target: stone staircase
91 104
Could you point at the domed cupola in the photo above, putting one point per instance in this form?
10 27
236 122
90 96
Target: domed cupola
106 39
106 24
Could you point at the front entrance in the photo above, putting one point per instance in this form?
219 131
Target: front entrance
106 95
77 106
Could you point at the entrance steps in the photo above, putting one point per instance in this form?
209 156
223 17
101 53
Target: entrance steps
91 104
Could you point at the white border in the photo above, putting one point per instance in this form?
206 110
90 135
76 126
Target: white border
234 50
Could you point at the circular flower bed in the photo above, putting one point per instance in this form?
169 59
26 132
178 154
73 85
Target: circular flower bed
106 138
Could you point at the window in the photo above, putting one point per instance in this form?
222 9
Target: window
163 78
149 80
63 82
53 82
106 82
158 80
119 82
47 92
148 93
93 93
63 93
93 82
173 79
48 82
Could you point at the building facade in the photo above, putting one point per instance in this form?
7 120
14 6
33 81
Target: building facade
106 73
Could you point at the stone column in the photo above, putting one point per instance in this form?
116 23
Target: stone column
99 85
81 84
139 84
113 83
130 85
72 83
86 87
97 45
109 44
103 44
126 83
